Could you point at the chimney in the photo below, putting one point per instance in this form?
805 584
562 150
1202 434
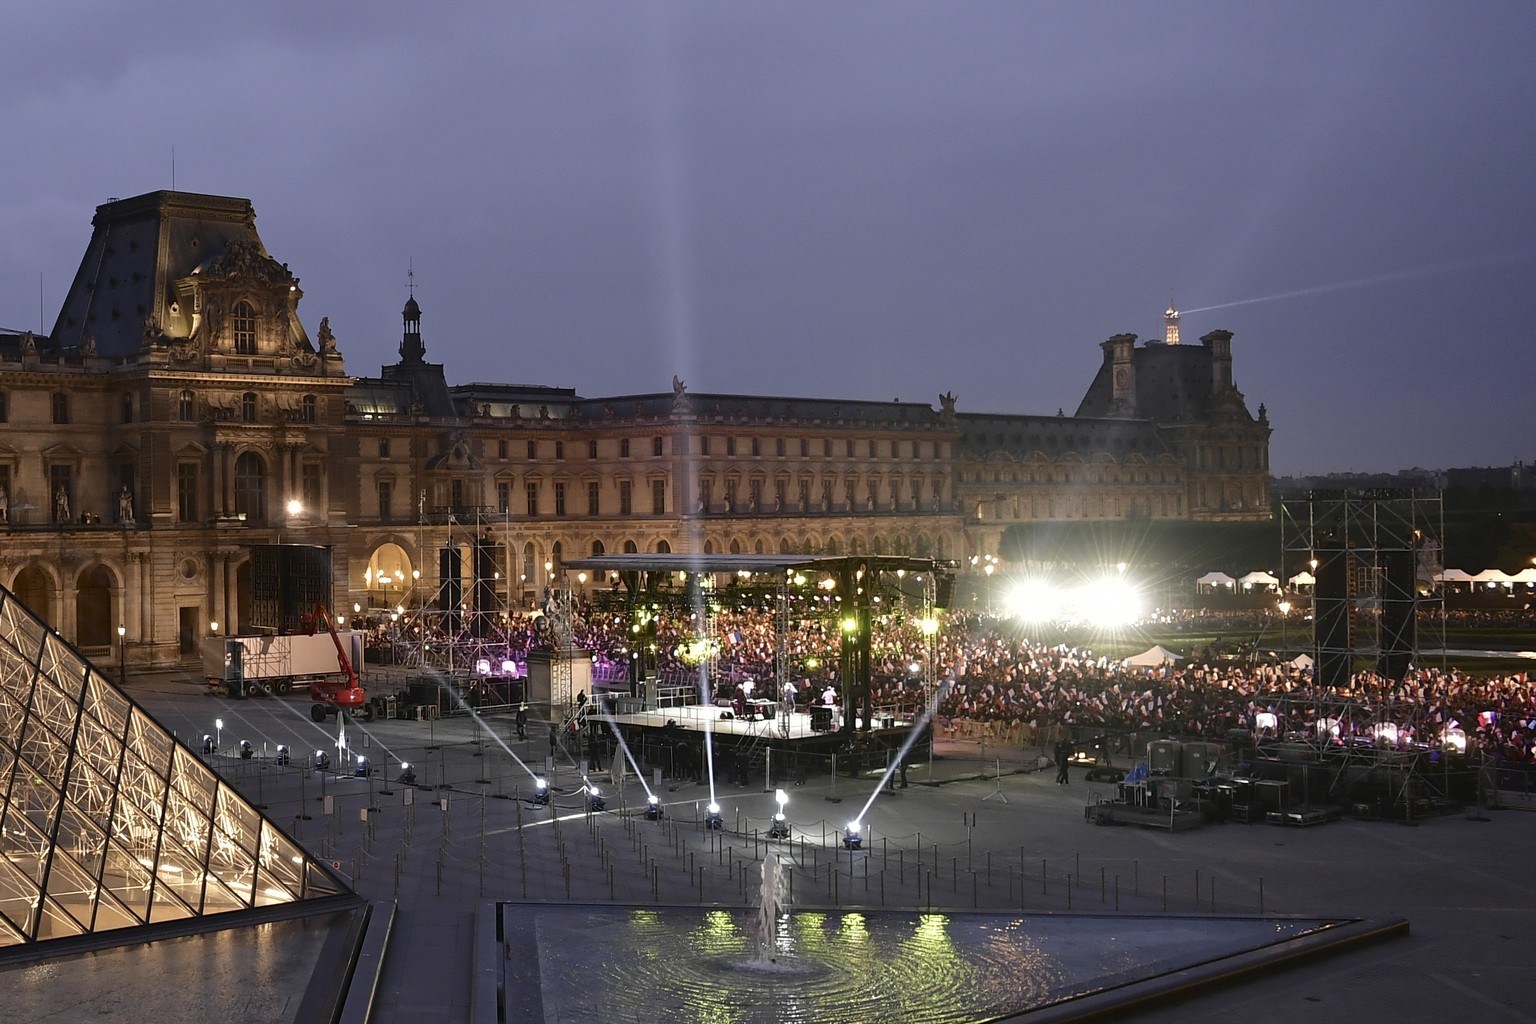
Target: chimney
1220 345
1118 352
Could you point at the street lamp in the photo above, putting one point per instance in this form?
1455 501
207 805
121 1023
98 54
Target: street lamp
122 655
218 730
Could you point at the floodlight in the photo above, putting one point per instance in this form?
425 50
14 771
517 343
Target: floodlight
712 817
653 811
540 790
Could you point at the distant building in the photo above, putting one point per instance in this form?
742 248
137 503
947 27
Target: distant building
179 409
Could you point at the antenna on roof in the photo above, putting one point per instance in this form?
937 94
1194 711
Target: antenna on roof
410 277
173 168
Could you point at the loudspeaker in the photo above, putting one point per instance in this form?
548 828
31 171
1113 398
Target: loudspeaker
1332 623
450 579
484 591
943 590
1399 604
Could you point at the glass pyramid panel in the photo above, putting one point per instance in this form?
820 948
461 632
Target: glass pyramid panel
106 820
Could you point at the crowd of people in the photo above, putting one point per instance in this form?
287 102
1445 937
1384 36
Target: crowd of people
989 682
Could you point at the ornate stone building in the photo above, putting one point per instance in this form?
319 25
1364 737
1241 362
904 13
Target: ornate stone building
179 413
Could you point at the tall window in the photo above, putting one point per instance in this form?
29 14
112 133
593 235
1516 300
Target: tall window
186 492
532 490
623 447
309 486
755 496
60 407
730 495
626 498
805 495
186 406
386 492
5 412
656 446
730 446
248 407
757 447
778 495
308 409
533 451
251 488
559 449
591 449
127 409
559 496
659 497
503 497
778 447
243 323
501 449
593 491
805 447
850 447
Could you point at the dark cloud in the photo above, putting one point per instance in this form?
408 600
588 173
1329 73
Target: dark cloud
870 200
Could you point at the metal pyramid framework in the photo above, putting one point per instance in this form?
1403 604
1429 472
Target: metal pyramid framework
107 822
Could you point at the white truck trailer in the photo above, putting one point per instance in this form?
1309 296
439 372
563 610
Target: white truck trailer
243 665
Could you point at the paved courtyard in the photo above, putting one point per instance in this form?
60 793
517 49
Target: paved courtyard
976 829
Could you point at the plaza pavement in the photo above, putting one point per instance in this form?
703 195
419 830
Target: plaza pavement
984 830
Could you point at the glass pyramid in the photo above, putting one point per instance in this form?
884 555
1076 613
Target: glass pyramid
106 821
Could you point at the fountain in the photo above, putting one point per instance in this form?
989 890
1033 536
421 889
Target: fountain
773 901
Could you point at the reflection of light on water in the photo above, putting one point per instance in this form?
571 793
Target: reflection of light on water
855 929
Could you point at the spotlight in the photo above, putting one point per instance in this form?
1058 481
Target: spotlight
853 836
208 746
407 774
653 811
540 790
322 760
712 817
361 771
245 750
282 753
595 801
780 827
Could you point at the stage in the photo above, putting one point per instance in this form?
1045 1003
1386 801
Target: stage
810 724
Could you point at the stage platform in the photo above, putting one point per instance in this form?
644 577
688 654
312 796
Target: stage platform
801 727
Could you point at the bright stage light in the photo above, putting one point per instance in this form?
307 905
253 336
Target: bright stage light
540 790
1452 738
653 811
1034 601
853 835
1109 602
712 817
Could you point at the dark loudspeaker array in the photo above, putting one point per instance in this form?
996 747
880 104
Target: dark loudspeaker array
1332 624
450 581
484 594
943 590
1398 607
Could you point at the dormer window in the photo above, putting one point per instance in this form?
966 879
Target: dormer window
243 323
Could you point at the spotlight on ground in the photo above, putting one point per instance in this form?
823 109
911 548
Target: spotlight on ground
853 836
246 753
595 801
322 761
407 774
780 827
208 746
361 771
653 811
540 790
712 817
282 753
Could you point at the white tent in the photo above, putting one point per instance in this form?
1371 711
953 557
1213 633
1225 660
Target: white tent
1303 579
1152 657
1302 661
1259 579
1212 580
1453 576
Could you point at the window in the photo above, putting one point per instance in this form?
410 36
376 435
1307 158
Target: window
503 497
559 494
826 448
704 445
186 492
559 449
756 447
755 495
778 495
383 447
658 497
730 495
849 487
186 406
597 548
251 488
730 446
874 448
805 448
309 409
593 490
5 413
705 487
917 495
778 447
850 447
60 407
591 449
805 496
243 324
533 451
248 407
127 409
626 498
501 449
386 493
656 447
310 490
623 447
532 490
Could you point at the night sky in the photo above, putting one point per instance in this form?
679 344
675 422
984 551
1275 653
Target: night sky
854 200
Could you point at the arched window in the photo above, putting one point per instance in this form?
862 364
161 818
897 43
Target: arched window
248 407
530 572
251 487
597 548
186 407
663 548
630 548
243 326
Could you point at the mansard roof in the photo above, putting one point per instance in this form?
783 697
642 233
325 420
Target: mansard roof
1173 384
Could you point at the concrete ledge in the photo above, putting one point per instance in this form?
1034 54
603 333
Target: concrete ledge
363 989
485 981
